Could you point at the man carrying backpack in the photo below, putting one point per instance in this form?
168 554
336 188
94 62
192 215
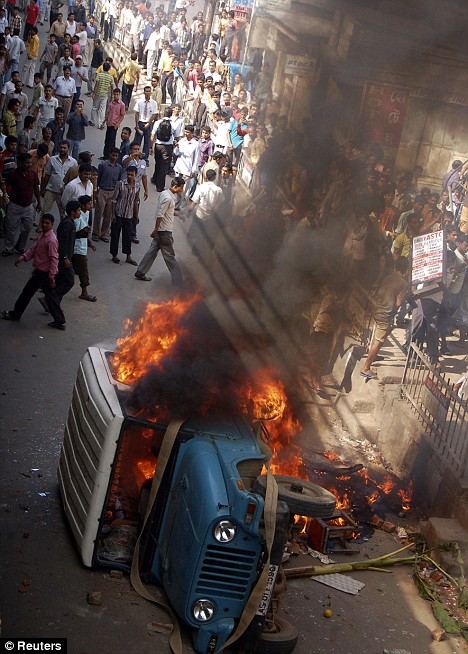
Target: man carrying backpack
163 138
146 112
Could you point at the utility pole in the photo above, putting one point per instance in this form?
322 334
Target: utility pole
210 12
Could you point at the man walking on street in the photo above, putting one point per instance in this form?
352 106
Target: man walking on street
131 77
32 52
44 254
162 235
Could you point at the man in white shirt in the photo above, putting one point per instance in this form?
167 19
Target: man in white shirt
186 152
146 112
207 201
79 73
81 185
162 235
65 89
152 49
45 110
136 23
16 48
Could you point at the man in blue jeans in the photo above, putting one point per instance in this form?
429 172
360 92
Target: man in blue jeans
162 235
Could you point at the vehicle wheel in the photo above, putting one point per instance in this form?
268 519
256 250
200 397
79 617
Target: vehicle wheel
282 641
302 497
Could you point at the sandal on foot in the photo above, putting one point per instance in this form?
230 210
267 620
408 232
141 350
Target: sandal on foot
368 375
115 260
88 298
143 278
131 262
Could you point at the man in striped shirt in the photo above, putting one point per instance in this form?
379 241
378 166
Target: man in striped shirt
102 93
125 194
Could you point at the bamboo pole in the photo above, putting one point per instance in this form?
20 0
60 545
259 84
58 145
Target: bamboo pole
333 568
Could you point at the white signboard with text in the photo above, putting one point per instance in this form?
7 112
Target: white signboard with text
427 262
299 65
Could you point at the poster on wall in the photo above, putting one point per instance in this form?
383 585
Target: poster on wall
382 117
427 258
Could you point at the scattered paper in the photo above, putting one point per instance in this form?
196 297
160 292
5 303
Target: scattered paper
340 582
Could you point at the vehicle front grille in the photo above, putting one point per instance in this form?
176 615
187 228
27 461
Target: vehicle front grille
227 572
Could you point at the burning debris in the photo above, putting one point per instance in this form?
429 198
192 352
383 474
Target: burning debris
178 361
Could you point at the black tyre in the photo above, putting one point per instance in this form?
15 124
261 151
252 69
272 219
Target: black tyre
302 497
282 641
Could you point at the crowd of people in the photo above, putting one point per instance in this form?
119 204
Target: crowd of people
43 165
197 114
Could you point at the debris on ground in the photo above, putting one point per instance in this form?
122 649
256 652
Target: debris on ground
438 634
94 598
159 628
341 582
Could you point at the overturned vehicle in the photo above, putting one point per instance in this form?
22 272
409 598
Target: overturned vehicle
187 503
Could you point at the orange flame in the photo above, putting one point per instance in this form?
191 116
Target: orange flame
331 456
406 496
373 497
387 485
148 338
269 403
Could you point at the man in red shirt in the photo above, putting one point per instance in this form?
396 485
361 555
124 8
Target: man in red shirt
115 113
32 14
45 256
23 183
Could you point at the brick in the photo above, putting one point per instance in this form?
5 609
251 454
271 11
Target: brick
94 599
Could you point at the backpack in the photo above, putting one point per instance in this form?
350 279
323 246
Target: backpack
164 131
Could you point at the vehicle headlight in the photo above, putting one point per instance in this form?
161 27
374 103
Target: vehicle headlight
224 531
203 610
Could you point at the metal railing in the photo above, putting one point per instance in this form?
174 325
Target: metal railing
440 409
359 310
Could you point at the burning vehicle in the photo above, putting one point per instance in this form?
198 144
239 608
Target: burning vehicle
207 531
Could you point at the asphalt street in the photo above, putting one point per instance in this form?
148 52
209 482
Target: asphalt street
43 584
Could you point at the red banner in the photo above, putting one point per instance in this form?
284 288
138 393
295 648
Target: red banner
382 117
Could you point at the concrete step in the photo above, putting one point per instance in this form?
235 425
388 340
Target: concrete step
439 531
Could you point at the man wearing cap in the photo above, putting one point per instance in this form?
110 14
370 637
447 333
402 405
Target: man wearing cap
65 88
115 114
79 73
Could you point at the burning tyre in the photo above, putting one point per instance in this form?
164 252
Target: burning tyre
302 497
